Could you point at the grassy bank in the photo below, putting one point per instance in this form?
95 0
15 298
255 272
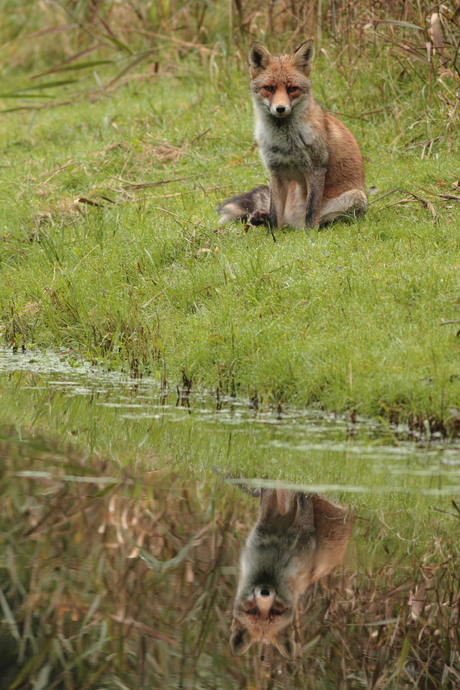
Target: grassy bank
110 245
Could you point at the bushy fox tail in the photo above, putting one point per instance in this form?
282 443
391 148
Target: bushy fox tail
243 206
253 207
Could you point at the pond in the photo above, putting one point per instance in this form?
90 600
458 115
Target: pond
125 509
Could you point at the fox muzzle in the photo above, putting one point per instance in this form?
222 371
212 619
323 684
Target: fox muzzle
264 596
280 110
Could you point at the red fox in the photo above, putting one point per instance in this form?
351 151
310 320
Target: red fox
297 539
315 166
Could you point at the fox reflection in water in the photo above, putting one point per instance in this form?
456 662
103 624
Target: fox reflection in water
297 539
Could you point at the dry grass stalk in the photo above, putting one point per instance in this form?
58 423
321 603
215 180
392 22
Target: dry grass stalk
158 32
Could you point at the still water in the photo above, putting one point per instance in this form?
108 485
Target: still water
125 509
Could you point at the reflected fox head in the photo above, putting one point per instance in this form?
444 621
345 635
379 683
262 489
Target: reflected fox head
297 539
280 84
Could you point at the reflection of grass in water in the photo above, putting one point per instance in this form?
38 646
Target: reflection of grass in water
82 609
87 608
125 424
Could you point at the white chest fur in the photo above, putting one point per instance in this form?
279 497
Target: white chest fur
289 143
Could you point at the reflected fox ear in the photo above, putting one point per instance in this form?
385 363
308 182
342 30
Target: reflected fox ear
259 58
240 639
284 642
304 55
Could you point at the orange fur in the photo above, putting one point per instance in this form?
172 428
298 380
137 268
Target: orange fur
298 538
314 162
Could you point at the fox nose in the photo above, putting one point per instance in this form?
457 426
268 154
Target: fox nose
280 109
265 592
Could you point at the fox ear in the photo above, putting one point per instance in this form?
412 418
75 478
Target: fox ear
285 643
259 58
303 56
240 639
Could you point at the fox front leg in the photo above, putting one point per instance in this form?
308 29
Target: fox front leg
278 196
315 197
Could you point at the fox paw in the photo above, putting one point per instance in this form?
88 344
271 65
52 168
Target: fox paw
258 218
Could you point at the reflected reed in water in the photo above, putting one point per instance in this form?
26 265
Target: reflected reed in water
125 577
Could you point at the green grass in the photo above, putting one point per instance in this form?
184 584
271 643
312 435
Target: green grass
348 318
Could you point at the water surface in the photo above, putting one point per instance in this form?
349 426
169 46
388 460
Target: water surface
122 526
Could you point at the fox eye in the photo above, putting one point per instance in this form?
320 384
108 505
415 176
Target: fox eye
269 88
252 612
275 612
292 89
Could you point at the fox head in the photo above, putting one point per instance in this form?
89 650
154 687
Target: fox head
298 538
261 615
279 84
